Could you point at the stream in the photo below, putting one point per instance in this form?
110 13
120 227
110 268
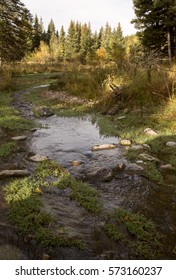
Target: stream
67 140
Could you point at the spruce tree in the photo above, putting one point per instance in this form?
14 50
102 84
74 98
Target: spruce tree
62 43
15 30
156 22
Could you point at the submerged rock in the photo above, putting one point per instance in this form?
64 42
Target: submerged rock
100 174
38 158
104 147
14 173
76 163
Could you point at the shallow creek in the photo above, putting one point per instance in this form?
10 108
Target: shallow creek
71 139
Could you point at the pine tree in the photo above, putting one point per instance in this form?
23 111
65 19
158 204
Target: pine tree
86 41
15 30
157 24
38 32
62 43
70 47
51 30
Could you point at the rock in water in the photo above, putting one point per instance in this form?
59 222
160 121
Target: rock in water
104 147
125 142
38 158
76 163
14 173
134 168
100 174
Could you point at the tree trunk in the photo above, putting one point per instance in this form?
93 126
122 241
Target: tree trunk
169 44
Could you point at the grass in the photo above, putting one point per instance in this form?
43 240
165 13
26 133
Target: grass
82 83
24 199
134 230
7 149
153 174
82 192
9 117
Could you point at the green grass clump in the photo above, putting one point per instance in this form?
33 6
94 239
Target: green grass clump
46 238
111 231
134 230
26 215
7 149
16 123
154 174
48 168
83 193
19 189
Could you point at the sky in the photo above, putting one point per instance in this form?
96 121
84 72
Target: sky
97 12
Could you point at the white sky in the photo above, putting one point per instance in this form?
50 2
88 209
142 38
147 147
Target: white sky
97 12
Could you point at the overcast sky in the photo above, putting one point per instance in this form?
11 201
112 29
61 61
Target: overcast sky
97 12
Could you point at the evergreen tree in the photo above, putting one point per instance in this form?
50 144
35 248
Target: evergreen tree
62 43
86 41
51 30
106 37
157 24
15 30
70 47
37 32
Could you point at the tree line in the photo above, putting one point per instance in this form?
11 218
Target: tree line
22 34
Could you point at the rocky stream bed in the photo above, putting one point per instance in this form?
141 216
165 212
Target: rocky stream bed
77 145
